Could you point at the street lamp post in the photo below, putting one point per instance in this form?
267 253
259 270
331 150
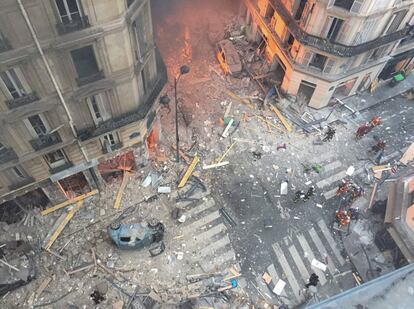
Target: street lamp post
183 70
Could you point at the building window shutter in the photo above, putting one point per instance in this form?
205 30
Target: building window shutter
306 58
356 7
344 32
329 65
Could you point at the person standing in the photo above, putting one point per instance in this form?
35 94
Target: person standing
313 280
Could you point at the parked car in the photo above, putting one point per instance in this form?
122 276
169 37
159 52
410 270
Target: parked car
229 58
136 235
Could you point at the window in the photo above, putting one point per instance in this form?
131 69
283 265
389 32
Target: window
96 104
18 172
318 61
68 10
334 28
345 4
13 82
56 158
395 21
38 125
109 138
110 142
85 61
143 33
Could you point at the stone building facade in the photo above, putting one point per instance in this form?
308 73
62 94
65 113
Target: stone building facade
326 49
79 85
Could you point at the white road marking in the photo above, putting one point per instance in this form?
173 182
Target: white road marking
334 178
310 256
322 251
330 194
287 270
299 263
212 248
331 241
331 166
201 238
200 208
191 228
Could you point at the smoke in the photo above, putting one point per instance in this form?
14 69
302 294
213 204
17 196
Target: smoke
187 30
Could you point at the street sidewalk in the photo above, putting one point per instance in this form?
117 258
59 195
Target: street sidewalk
363 101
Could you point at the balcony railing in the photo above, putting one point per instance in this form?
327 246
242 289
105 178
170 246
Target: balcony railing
4 45
27 99
139 114
90 79
45 141
325 45
61 168
76 24
24 182
7 155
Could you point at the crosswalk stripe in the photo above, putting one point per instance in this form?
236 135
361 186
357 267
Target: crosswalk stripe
299 263
199 223
287 270
263 288
218 261
390 156
323 157
322 250
327 181
330 194
200 208
201 238
212 248
275 278
331 166
336 177
331 241
306 248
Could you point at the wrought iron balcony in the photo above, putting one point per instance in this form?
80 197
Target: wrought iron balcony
60 168
45 141
90 79
75 24
27 99
325 45
7 155
24 182
4 45
141 112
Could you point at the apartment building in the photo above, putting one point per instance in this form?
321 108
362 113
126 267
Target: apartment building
326 49
79 85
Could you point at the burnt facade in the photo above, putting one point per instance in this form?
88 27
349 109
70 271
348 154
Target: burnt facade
79 83
322 50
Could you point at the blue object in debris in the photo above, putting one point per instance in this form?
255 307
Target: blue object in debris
233 283
271 93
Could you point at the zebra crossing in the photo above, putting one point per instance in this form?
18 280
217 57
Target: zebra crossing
294 259
205 236
334 171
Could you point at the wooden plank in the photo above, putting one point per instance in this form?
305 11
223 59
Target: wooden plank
60 228
372 197
281 118
269 123
236 97
124 183
206 167
408 155
189 171
68 202
225 154
43 286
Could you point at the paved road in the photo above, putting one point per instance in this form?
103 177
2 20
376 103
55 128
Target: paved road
249 188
